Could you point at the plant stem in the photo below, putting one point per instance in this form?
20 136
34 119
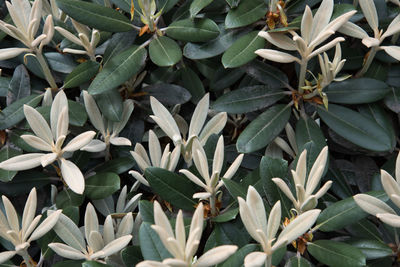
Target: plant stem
27 259
268 261
213 202
302 75
46 71
368 61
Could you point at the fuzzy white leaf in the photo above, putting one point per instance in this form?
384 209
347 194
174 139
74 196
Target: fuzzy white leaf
216 255
60 102
36 142
91 221
369 10
393 51
72 176
255 259
372 205
199 116
120 141
11 213
38 124
79 141
94 145
113 247
154 149
93 112
391 219
67 251
29 210
213 126
46 225
22 162
279 40
7 53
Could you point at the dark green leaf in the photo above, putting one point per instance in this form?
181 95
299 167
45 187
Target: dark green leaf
131 255
308 130
192 83
117 165
372 249
174 188
81 74
226 216
197 5
119 69
6 153
168 94
263 129
14 113
356 128
77 113
23 182
62 63
20 85
248 99
335 253
237 259
146 210
151 245
110 104
118 43
95 16
356 91
247 12
213 47
392 99
197 30
164 51
343 212
68 198
233 3
242 51
102 185
267 74
68 263
235 189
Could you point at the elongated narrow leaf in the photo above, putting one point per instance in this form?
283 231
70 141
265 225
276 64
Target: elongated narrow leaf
197 30
248 99
356 128
67 230
20 86
81 74
372 249
174 188
263 129
164 51
7 153
119 69
246 13
344 212
151 245
307 130
267 74
298 261
356 91
95 16
335 253
242 51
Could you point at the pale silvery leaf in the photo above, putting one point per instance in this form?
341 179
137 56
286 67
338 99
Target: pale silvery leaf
372 205
67 251
66 229
45 226
62 122
139 177
391 219
199 116
394 27
306 22
215 255
79 141
284 146
393 51
353 30
204 195
161 219
255 202
279 40
12 216
180 230
125 226
326 47
48 159
218 156
31 227
164 119
48 30
29 210
274 220
319 162
255 259
154 149
94 145
390 186
91 221
59 103
38 124
22 162
213 126
38 40
301 168
120 141
72 176
121 200
108 230
322 191
369 10
276 56
151 264
7 53
95 241
94 113
36 142
248 220
285 189
112 247
193 178
309 203
69 36
175 263
6 255
299 226
371 42
234 167
321 18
